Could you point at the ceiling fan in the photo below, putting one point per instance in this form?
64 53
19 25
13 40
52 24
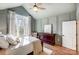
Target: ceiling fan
36 7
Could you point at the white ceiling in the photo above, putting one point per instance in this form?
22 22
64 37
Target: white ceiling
51 8
9 5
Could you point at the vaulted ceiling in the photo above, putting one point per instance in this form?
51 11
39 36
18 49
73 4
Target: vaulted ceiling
50 8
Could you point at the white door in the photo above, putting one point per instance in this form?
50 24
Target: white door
69 34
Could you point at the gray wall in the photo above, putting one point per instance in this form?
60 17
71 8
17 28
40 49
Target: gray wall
3 21
20 10
57 24
56 21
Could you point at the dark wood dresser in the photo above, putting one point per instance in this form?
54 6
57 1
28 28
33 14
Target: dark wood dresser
47 38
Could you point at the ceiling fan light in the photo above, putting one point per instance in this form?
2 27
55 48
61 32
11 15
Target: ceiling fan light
35 8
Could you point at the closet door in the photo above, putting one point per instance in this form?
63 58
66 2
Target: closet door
69 34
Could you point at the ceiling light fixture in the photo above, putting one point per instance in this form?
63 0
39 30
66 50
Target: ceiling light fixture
35 8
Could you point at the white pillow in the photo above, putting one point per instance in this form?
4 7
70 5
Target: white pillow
3 43
11 39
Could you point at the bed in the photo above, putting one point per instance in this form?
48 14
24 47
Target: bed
26 46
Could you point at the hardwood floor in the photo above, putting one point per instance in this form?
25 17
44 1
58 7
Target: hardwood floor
3 51
58 50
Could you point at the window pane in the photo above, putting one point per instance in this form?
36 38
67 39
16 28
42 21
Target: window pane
19 25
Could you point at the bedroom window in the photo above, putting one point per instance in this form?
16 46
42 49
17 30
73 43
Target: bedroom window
19 25
23 26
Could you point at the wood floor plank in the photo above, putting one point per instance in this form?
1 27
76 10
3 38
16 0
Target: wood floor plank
57 50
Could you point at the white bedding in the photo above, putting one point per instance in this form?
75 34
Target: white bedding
22 50
24 47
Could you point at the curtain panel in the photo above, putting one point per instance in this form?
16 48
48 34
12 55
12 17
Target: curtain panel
12 23
19 25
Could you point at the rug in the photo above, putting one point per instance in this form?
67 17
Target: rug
47 50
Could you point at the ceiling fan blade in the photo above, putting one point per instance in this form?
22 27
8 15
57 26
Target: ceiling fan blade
41 8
